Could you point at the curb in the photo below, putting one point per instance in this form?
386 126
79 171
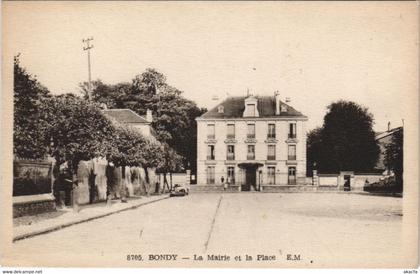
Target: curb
64 225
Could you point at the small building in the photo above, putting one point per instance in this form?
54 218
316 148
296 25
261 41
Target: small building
130 118
385 138
251 142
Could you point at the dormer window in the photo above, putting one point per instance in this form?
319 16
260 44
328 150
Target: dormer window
283 108
251 108
220 109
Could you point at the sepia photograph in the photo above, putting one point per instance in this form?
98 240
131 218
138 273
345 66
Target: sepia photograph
209 134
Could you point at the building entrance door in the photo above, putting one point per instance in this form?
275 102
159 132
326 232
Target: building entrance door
250 179
292 176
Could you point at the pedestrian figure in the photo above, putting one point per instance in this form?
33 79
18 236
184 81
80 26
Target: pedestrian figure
223 183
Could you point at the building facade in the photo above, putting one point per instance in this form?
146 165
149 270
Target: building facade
249 142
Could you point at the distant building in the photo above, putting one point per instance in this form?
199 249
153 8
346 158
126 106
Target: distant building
384 138
250 142
130 118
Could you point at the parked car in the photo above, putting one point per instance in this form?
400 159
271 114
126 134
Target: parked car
179 190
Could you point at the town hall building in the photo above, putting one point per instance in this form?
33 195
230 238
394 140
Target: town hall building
250 143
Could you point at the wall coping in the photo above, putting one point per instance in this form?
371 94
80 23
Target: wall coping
26 199
328 175
364 174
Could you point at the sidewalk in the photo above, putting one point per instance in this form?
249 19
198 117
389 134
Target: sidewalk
29 226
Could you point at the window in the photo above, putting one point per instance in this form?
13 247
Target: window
291 152
271 153
231 131
231 175
292 130
210 152
251 152
271 134
210 132
220 109
251 131
283 108
271 175
292 176
251 109
230 155
210 175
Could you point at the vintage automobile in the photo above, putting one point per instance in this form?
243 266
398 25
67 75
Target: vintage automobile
179 190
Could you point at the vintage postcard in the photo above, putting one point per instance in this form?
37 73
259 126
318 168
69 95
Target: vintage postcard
210 134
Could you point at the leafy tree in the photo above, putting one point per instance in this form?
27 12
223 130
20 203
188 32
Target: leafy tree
29 129
170 162
394 156
78 130
346 141
113 96
174 116
314 150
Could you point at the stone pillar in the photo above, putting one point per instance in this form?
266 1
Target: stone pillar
188 175
315 179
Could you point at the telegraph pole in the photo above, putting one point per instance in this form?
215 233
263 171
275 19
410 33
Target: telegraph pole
88 47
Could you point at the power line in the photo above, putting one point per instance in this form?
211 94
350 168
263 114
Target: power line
88 47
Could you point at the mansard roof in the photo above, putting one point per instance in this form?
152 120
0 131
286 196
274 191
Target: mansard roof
233 107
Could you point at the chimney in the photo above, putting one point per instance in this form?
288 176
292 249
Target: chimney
389 126
277 98
149 117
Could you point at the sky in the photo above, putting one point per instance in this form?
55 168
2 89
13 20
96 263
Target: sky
314 53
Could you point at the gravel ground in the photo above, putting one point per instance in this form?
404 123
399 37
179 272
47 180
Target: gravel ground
322 228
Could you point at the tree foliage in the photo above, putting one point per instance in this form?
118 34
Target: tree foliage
71 129
128 147
29 129
346 140
173 115
77 129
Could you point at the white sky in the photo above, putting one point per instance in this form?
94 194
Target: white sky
314 53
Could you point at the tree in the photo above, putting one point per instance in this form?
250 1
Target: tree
174 116
170 162
77 129
127 147
113 96
394 156
314 150
29 129
346 140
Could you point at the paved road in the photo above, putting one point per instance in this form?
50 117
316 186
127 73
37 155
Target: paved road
321 228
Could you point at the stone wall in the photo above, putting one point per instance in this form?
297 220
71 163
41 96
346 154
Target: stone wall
32 187
33 204
32 177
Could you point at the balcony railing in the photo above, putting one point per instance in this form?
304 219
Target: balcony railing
230 156
292 136
271 157
211 137
250 136
210 157
291 157
230 136
292 181
250 156
271 136
210 181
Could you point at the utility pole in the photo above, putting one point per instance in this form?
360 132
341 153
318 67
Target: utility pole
88 47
